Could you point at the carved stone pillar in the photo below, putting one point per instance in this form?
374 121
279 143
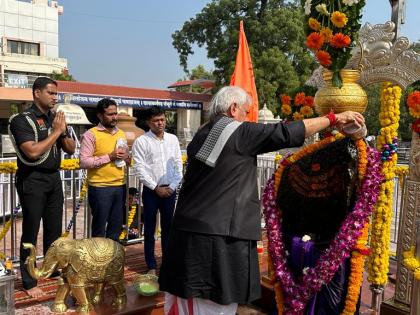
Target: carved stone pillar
407 235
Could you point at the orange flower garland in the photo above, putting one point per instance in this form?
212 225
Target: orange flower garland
362 158
357 264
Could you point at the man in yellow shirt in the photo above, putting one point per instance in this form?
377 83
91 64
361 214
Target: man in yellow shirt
101 156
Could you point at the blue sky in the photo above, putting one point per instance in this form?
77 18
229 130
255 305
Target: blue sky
129 42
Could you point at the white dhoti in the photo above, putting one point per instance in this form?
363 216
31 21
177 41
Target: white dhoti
175 305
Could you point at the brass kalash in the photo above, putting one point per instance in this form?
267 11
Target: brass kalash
98 261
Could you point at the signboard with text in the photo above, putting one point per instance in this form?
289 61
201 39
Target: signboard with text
86 99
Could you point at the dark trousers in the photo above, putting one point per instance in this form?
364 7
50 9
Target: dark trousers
41 197
107 206
151 203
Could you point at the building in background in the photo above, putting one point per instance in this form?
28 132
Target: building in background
28 48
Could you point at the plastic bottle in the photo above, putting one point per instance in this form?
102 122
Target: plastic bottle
121 144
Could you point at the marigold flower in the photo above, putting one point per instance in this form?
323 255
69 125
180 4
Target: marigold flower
314 41
297 116
324 58
286 109
322 8
326 34
415 111
285 99
299 98
339 19
306 111
413 98
314 24
340 40
309 101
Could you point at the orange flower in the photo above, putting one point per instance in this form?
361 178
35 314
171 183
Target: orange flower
309 101
297 116
299 99
339 19
340 40
306 111
285 99
314 41
326 34
286 109
413 99
314 24
324 58
414 111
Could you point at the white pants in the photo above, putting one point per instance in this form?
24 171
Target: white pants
195 306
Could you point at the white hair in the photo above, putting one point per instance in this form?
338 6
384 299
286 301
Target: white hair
225 97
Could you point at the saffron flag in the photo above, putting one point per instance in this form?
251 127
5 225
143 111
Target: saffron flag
243 75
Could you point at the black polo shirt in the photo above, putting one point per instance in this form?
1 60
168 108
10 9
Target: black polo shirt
22 132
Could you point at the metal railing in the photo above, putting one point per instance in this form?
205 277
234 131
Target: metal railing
72 181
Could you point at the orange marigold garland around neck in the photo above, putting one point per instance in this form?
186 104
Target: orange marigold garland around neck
294 294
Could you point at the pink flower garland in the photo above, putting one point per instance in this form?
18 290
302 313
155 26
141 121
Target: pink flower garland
297 294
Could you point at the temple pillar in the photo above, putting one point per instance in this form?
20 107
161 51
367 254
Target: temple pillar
188 121
406 290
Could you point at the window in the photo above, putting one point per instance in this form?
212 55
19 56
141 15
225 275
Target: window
24 48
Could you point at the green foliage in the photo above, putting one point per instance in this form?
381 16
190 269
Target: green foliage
372 111
416 47
275 34
63 76
197 73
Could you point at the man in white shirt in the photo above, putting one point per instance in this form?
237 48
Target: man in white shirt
158 162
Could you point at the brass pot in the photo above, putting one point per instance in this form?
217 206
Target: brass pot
350 96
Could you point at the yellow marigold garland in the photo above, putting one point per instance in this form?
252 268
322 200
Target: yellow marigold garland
412 263
3 233
8 167
67 164
381 221
401 171
131 215
70 164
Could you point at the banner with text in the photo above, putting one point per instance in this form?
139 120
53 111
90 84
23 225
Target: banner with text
85 99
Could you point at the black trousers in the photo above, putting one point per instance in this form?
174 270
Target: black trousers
41 197
152 203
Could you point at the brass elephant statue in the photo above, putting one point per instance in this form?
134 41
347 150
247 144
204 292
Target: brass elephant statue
96 261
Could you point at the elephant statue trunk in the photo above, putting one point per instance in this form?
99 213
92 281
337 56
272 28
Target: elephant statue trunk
47 268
